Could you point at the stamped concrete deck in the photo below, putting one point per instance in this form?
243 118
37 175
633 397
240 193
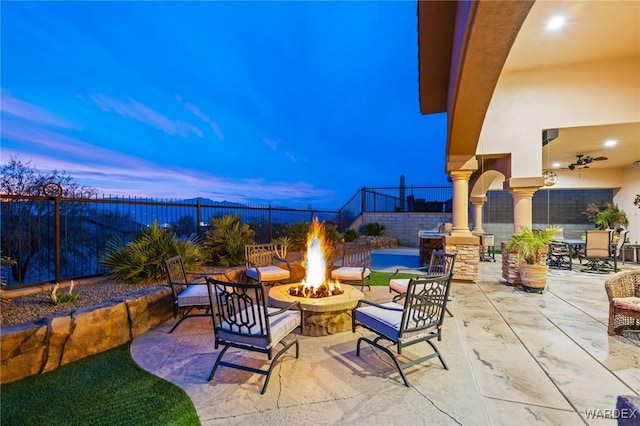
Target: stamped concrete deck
514 358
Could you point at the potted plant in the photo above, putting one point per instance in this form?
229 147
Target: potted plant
607 217
531 247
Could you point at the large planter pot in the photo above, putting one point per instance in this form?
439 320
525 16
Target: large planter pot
533 277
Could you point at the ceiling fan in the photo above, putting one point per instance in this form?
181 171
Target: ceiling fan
583 161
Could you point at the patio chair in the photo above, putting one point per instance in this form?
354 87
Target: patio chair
355 265
189 298
623 292
559 256
246 322
621 241
441 264
265 266
597 252
487 247
418 320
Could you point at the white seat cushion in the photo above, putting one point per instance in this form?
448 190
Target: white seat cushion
279 325
388 322
268 273
350 273
399 285
194 295
385 321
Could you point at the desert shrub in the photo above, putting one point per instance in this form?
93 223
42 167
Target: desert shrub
373 229
350 235
297 234
224 242
142 260
56 297
331 233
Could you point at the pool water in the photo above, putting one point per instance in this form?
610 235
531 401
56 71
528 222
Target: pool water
393 259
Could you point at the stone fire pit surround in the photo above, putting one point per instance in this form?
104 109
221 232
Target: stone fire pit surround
322 316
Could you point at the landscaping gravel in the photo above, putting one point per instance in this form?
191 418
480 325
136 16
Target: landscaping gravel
29 308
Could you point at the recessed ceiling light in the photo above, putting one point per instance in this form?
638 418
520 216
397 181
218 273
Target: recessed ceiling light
611 142
555 23
556 165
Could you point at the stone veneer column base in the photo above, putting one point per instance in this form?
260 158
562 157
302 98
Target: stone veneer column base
467 249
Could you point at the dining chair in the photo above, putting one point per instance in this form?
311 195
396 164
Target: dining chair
419 319
597 252
244 321
559 256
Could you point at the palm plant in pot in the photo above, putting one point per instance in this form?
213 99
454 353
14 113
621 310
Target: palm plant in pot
532 247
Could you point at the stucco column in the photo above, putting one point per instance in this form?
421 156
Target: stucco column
478 203
522 207
460 179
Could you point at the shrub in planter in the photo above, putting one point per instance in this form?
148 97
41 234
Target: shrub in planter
531 247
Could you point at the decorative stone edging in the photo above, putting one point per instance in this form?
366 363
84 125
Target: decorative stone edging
46 344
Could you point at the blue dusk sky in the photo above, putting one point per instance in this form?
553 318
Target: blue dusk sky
287 103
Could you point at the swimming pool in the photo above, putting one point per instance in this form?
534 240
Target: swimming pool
392 259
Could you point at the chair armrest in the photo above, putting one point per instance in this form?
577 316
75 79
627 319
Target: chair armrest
286 308
279 259
377 305
409 271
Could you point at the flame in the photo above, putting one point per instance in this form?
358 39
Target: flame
318 251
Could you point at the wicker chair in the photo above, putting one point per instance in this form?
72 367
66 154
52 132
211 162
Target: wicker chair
623 291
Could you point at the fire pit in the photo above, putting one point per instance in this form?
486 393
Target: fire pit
326 306
322 316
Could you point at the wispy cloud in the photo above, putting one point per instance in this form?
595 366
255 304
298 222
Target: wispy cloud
132 176
18 108
291 157
130 108
270 143
204 117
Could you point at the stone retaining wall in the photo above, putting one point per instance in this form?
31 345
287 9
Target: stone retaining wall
44 345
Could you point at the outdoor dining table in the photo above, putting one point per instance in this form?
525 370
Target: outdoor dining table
574 245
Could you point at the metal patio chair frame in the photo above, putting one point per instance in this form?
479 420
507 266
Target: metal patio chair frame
244 321
264 265
189 298
598 253
354 265
441 263
418 320
559 256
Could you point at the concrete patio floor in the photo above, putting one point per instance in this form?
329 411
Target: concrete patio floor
514 359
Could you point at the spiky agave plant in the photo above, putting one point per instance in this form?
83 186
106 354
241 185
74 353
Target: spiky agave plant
142 260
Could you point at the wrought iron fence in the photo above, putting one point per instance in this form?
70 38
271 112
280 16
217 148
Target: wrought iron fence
50 239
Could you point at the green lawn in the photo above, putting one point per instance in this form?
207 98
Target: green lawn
103 389
382 278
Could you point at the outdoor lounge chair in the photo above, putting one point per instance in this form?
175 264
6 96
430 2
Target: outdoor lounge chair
264 265
189 298
355 265
418 320
245 322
